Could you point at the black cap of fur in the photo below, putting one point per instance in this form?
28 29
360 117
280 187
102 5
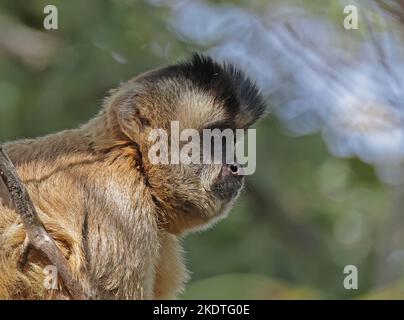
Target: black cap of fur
227 83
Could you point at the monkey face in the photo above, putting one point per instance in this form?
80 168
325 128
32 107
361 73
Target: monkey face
196 96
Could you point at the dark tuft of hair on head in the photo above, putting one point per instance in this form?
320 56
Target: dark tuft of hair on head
226 82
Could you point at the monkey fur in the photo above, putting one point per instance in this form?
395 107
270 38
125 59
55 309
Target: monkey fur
116 217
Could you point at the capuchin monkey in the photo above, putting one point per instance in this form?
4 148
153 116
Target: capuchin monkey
117 217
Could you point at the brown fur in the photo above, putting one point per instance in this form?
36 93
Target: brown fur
117 218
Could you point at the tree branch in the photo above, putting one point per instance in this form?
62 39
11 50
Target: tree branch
36 235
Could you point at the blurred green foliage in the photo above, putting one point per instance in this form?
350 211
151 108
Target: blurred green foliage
303 216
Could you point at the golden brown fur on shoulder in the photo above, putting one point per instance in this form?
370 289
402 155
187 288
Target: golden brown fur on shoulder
117 217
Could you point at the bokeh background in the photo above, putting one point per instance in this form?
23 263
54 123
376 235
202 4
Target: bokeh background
328 190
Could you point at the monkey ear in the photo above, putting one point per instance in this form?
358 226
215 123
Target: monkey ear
128 121
122 106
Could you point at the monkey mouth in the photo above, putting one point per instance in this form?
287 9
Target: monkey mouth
228 188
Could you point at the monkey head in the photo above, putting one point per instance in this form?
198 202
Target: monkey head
198 94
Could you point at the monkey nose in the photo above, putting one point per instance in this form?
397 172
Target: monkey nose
234 169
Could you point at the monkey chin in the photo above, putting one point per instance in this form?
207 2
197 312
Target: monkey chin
223 207
222 213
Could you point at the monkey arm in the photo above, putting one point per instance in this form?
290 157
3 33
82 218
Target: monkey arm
122 242
171 274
